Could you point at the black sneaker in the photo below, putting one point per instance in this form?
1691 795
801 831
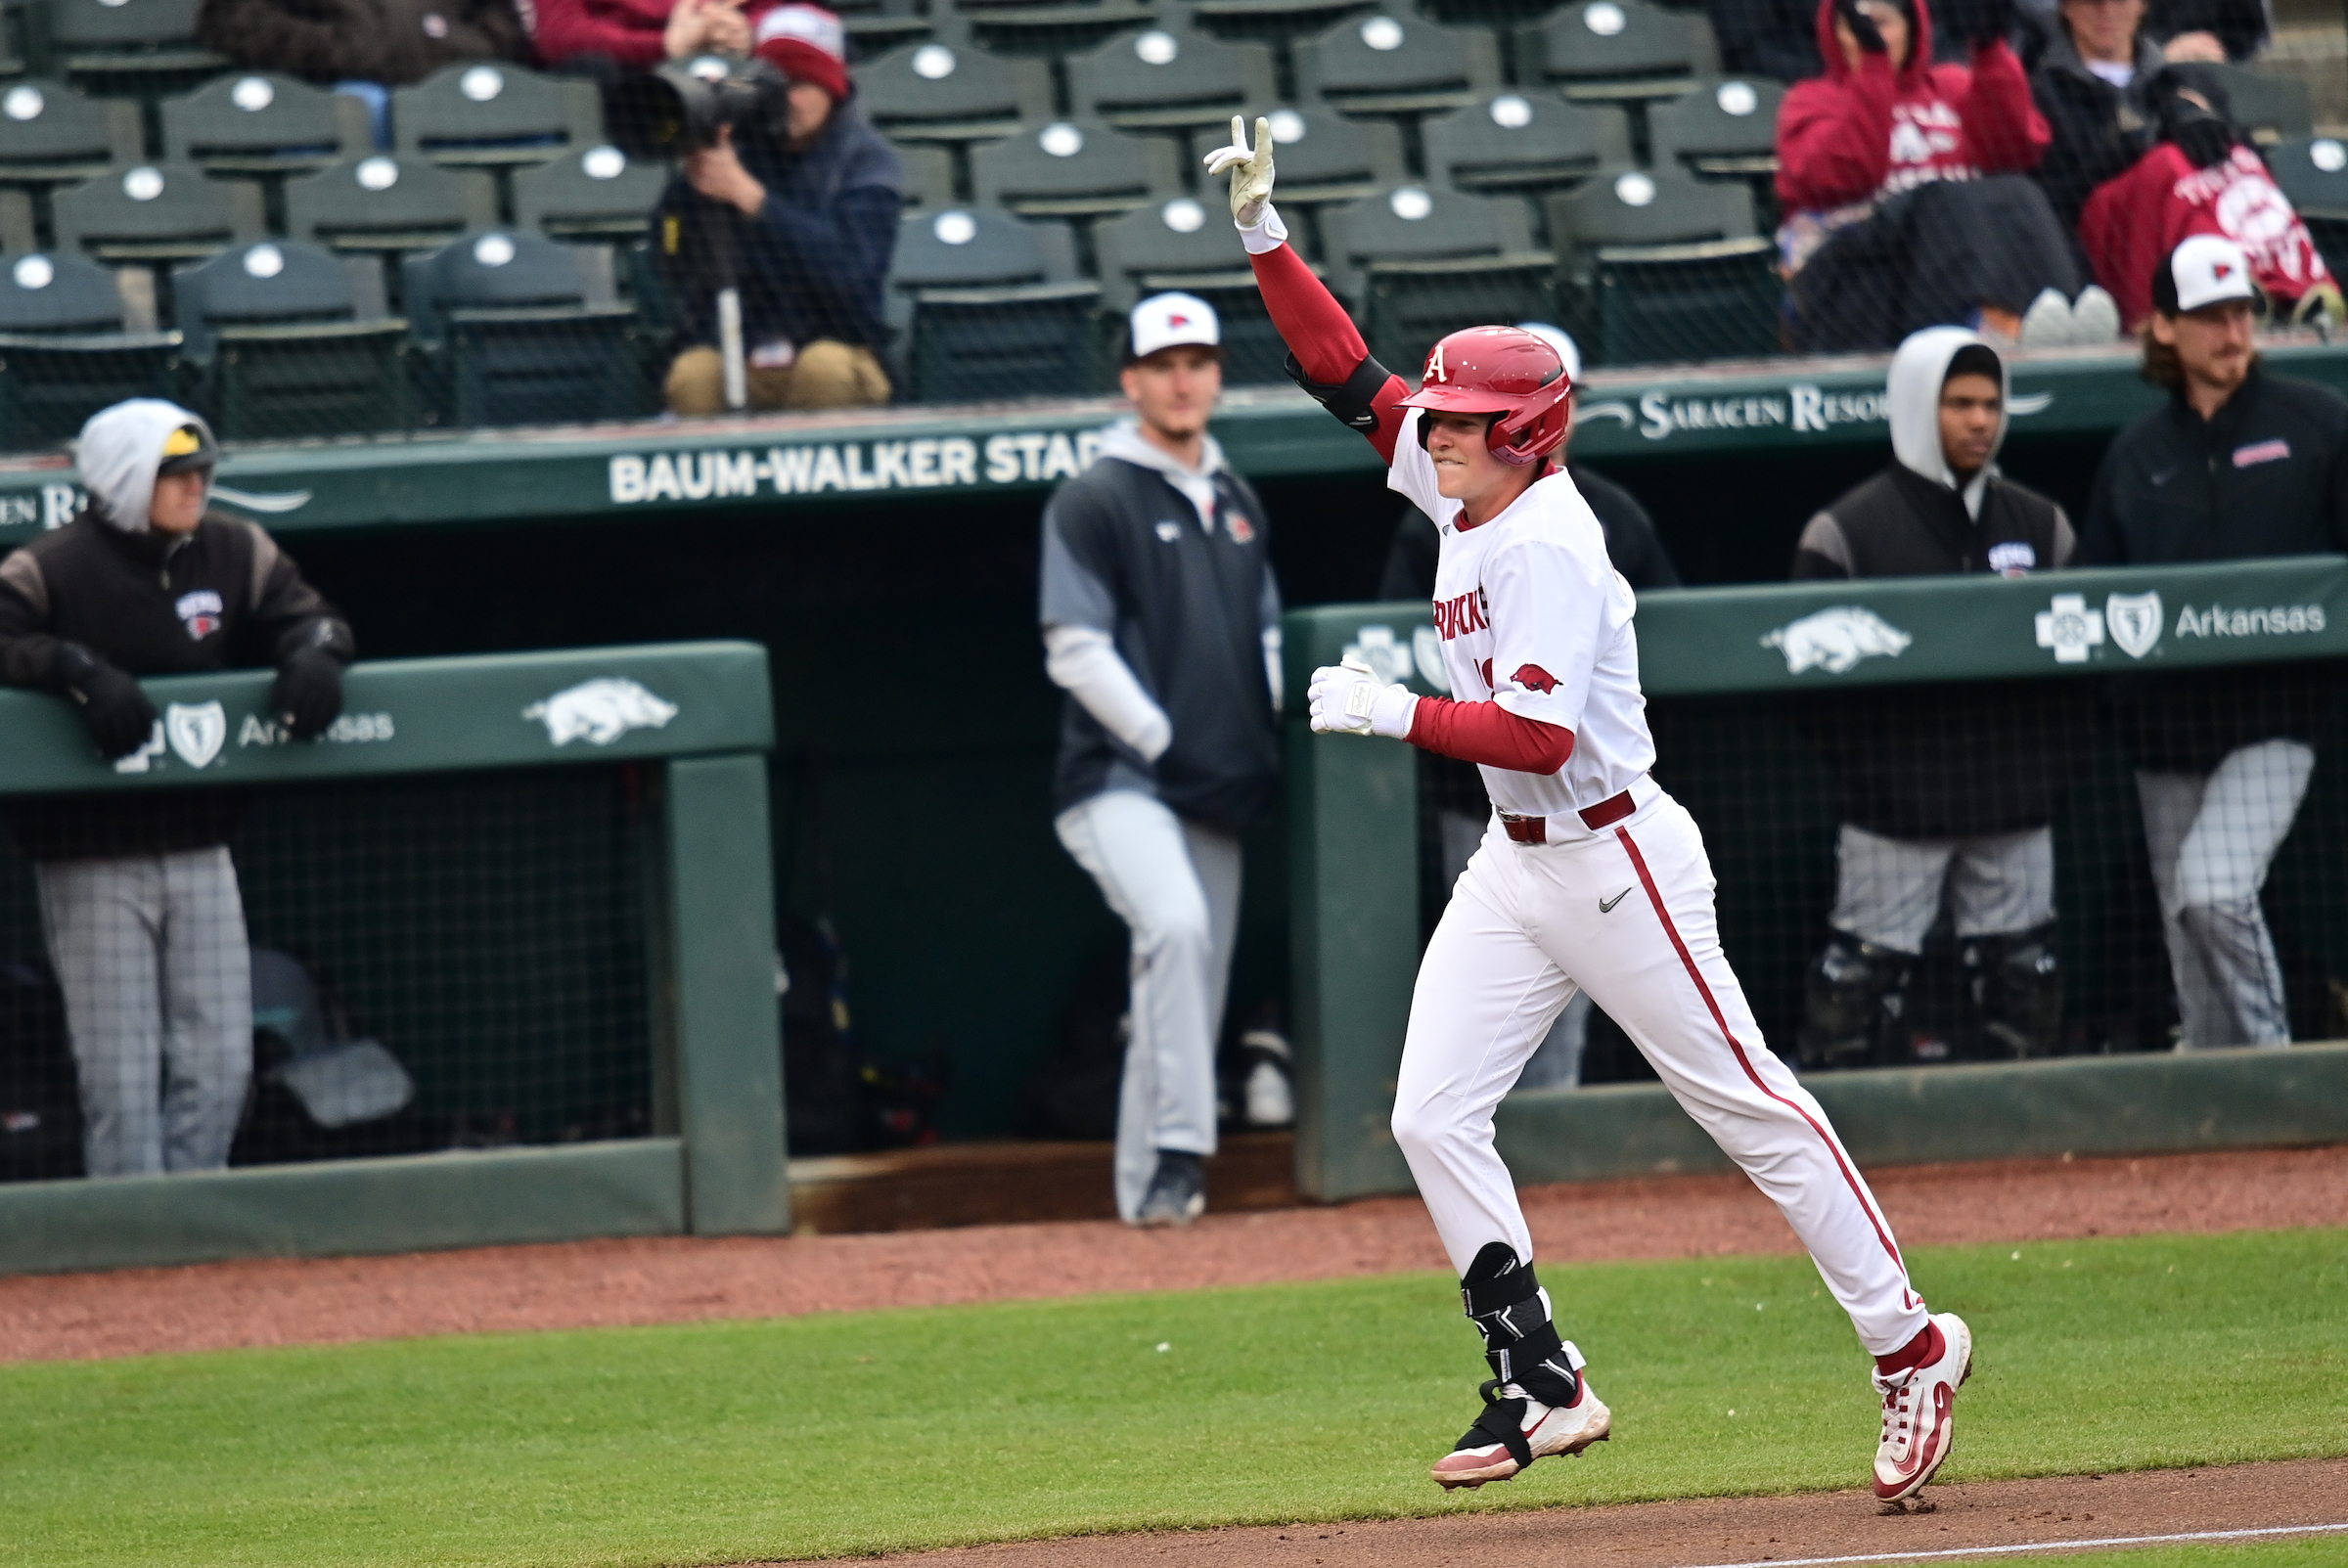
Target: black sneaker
1177 1194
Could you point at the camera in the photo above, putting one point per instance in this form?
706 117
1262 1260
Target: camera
680 107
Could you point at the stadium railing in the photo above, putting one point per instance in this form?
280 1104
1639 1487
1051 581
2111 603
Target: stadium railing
1727 672
541 881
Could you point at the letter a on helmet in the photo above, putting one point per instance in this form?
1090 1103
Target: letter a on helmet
1505 371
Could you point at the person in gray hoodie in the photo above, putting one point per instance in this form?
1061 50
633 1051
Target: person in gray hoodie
1161 621
139 898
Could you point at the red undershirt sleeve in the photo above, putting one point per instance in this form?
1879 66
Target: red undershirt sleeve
1489 734
1327 347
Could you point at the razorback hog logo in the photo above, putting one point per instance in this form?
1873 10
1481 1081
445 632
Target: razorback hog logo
1533 677
1837 639
600 711
1457 617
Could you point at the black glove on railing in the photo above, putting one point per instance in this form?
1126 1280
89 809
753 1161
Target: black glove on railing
308 693
112 706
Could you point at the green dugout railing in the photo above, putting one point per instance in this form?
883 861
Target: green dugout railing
1354 869
696 719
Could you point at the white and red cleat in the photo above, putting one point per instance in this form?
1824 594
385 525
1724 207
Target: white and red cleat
1484 1453
1920 1412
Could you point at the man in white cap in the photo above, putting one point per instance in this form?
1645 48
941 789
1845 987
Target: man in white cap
1161 621
2238 463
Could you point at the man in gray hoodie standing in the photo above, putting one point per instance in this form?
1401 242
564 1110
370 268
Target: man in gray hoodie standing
1161 621
139 898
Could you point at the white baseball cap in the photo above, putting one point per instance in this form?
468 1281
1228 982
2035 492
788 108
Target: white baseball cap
2206 269
1169 321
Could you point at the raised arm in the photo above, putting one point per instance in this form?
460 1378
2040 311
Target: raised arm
1326 356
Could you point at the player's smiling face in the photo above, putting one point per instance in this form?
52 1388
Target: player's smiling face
1465 471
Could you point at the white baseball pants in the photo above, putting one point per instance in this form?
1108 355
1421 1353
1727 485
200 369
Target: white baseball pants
2211 839
1176 886
1626 914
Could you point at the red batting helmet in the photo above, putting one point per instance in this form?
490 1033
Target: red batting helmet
1505 371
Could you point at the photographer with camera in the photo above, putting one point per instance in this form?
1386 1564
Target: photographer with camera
782 224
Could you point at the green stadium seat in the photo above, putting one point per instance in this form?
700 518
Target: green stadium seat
1523 141
944 92
69 346
1052 31
929 174
495 116
1170 78
1323 158
52 135
2273 108
2313 171
597 192
1273 19
875 26
136 48
386 206
1726 129
156 213
519 329
264 125
991 307
1659 266
1618 51
1188 245
1389 64
287 341
15 222
1427 262
1074 168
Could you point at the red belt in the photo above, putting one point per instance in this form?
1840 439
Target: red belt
1535 830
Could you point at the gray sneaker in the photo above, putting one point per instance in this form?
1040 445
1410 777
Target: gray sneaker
1177 1194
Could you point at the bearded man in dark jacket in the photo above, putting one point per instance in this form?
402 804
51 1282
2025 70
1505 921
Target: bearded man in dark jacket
139 898
1947 792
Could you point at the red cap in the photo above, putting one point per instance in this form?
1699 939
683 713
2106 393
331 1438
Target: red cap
807 43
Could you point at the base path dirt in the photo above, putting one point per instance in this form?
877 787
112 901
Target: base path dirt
1717 1532
283 1300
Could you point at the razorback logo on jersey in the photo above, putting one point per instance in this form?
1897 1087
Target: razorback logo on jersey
1533 677
1457 617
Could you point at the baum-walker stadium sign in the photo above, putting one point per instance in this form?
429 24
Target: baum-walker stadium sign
926 462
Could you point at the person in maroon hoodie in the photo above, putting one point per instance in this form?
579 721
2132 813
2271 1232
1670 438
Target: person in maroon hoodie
1901 182
607 38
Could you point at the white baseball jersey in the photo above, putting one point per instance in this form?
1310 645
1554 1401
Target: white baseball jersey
1533 615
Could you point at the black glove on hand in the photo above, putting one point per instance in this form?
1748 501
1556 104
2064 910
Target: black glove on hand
1862 28
112 706
1993 22
2206 139
308 693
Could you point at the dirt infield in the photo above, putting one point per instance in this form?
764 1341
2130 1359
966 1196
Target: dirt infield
677 1280
1705 1532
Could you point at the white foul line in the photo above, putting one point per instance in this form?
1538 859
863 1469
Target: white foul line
2037 1545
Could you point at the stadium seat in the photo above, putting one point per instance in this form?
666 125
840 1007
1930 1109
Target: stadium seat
287 341
2274 108
1659 266
53 135
1618 51
495 116
941 92
156 213
992 308
928 175
1384 64
134 48
519 329
68 347
1275 20
597 192
1170 78
1724 130
264 125
1052 31
875 26
382 204
1323 158
15 222
1523 141
1188 245
1428 261
1074 168
2313 173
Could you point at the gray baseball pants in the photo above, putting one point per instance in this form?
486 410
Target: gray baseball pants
1176 886
2211 837
1888 890
150 953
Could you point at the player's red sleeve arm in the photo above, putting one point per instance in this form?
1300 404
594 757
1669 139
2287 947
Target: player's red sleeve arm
1489 734
1330 360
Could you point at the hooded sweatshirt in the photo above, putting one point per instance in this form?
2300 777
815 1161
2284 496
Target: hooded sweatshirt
1157 594
2132 223
1861 137
2098 129
221 597
1939 761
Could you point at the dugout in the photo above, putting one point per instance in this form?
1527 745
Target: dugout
886 559
538 882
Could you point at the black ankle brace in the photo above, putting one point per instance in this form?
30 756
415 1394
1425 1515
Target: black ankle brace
1502 1299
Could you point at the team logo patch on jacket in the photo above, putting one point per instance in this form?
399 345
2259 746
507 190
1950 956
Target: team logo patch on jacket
1242 530
2012 558
2257 452
1533 677
199 612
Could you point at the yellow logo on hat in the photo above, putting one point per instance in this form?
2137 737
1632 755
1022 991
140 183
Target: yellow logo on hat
183 442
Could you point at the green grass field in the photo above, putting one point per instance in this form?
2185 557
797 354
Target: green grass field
725 1442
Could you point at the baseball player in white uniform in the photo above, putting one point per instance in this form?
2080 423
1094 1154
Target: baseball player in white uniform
1590 877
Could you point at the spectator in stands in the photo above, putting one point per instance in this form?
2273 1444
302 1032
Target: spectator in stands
804 206
138 895
2202 176
389 43
2240 464
1949 792
2093 84
2209 29
1161 621
608 39
1901 182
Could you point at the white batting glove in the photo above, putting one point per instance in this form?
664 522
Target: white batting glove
1348 698
1251 172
